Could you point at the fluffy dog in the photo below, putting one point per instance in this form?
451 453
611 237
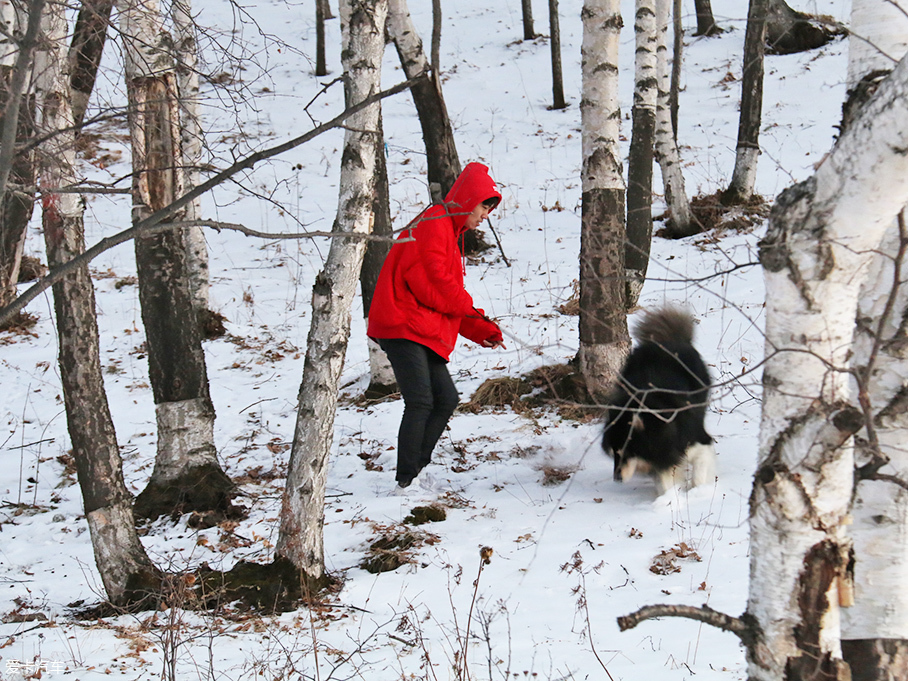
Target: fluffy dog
654 421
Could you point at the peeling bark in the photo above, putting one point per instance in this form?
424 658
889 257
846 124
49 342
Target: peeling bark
176 359
816 254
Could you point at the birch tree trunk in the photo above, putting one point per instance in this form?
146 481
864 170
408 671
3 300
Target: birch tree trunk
126 571
741 187
604 339
17 124
301 538
682 222
816 254
187 476
875 630
640 159
186 53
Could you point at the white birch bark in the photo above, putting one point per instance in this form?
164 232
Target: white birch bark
880 531
666 148
121 560
301 537
640 161
816 254
878 37
186 54
604 340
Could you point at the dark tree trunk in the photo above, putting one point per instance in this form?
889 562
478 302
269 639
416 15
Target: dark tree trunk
325 8
436 35
741 187
187 476
382 377
85 53
321 68
789 31
706 23
677 54
125 568
877 659
557 79
639 199
377 251
527 7
17 203
126 571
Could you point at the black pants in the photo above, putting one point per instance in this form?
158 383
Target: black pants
430 399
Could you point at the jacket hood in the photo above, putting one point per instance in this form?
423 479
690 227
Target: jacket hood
473 186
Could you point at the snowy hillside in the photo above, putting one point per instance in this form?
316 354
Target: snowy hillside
572 549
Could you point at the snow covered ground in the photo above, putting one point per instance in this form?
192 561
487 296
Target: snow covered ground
568 557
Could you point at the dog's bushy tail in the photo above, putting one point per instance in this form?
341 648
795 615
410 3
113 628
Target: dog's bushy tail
665 325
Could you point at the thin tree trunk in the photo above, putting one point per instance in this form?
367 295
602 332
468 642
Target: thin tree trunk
186 53
741 187
126 571
875 629
640 158
85 52
677 53
557 77
816 255
301 538
604 339
187 476
321 66
382 381
681 222
16 124
527 8
436 36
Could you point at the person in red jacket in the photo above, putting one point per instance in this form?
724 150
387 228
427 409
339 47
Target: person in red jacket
420 306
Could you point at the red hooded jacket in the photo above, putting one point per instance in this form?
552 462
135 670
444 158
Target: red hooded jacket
420 294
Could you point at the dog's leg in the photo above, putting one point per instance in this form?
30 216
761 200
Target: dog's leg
702 459
668 479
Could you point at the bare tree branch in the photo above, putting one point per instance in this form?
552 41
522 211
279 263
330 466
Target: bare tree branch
162 215
739 626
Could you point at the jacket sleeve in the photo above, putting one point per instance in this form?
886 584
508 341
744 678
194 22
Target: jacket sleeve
429 276
479 328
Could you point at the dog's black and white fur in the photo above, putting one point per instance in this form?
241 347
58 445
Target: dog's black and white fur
654 421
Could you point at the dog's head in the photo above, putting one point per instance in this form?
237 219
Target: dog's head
623 430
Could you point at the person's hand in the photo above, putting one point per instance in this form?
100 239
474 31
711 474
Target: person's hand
494 344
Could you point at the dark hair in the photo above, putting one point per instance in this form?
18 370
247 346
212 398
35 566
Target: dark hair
490 203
